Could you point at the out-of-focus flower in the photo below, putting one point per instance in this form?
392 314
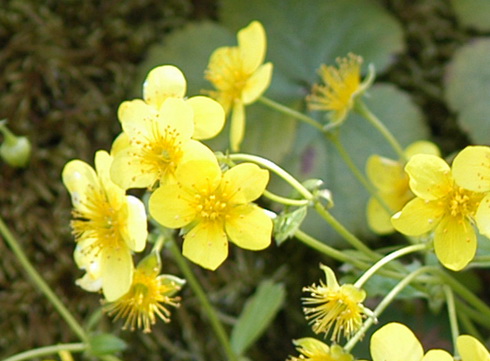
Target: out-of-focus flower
339 88
396 342
391 182
107 224
332 307
240 77
314 350
167 81
159 140
15 150
471 349
149 295
214 207
441 206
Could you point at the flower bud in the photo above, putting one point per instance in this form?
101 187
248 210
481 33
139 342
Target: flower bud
15 150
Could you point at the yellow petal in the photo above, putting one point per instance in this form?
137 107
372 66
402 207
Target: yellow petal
121 142
249 227
194 150
386 174
482 216
247 181
430 176
395 342
257 84
252 45
471 168
80 179
417 217
197 176
103 163
237 126
421 147
171 206
209 117
176 116
438 355
134 116
130 171
136 224
207 245
471 349
116 271
378 219
455 242
163 82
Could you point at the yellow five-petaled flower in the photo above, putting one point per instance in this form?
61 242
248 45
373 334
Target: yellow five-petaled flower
214 207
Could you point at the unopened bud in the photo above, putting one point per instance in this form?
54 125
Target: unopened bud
15 150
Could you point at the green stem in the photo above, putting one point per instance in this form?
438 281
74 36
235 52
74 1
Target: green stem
467 323
40 283
196 287
47 350
453 318
363 110
290 112
383 305
388 258
286 201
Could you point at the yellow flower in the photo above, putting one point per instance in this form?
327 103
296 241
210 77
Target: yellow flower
107 224
159 140
334 307
396 342
440 206
471 170
168 81
391 182
214 208
340 88
314 350
239 76
147 297
471 349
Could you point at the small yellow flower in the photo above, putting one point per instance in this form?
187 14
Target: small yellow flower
107 224
441 206
334 307
391 182
168 81
471 349
147 297
239 76
340 88
396 342
214 207
157 141
314 350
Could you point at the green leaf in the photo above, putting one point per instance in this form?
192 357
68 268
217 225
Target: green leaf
257 314
467 88
287 223
473 13
105 344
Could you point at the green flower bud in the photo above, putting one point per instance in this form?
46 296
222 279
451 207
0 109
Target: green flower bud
15 150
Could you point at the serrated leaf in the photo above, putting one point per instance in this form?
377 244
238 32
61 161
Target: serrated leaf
467 88
473 13
257 314
105 344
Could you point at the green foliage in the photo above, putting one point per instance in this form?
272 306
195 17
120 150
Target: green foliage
105 344
473 13
468 86
258 313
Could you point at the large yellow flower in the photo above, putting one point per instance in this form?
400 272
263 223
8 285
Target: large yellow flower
314 350
159 140
339 89
167 81
214 208
107 224
396 342
239 76
334 307
391 182
471 349
441 206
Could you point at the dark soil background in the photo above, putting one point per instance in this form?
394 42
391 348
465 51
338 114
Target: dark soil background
65 67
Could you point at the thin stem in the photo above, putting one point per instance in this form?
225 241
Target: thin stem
383 305
467 323
47 350
291 112
453 318
388 258
286 201
363 110
40 283
196 287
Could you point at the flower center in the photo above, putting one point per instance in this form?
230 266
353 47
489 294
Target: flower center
462 203
212 207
